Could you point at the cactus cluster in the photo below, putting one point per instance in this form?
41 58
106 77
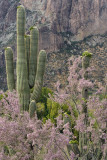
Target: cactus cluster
30 65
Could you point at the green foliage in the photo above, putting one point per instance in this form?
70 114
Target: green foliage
53 111
44 94
76 133
73 142
67 119
6 150
87 54
85 101
41 112
6 49
74 110
18 7
26 36
49 109
71 120
32 27
53 108
103 96
31 90
1 96
95 125
90 113
65 108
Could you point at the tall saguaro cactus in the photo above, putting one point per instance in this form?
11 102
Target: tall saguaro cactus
30 65
9 68
83 141
85 64
22 72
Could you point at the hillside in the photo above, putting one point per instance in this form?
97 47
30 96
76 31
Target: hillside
67 27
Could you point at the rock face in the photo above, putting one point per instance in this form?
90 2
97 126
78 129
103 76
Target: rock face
79 18
66 27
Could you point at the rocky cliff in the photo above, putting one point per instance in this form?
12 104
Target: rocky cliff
67 27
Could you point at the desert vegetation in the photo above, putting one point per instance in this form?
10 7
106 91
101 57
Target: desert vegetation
39 124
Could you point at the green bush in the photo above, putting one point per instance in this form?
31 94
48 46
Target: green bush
49 109
52 108
45 94
41 110
1 96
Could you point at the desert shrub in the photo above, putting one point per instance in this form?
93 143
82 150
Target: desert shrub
69 137
89 122
22 138
41 110
47 108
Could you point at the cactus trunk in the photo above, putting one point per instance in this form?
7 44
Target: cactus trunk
22 73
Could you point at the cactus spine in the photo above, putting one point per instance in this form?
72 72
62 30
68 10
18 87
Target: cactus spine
22 73
33 55
9 68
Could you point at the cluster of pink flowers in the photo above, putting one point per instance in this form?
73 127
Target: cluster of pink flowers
23 138
95 129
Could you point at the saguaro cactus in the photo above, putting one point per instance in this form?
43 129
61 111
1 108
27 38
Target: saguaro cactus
83 141
30 67
9 68
85 64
